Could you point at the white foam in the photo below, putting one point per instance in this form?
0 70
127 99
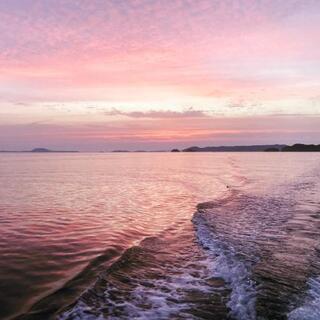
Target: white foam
165 304
154 299
235 272
80 311
310 310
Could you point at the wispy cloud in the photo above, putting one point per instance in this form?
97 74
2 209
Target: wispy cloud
158 114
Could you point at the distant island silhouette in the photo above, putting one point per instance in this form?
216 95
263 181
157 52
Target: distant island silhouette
44 150
251 148
272 149
298 147
39 150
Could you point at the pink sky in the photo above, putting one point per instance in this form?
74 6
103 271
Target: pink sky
146 74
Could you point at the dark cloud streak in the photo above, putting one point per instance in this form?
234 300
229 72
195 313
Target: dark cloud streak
153 114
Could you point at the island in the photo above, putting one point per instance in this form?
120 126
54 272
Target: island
272 150
299 147
38 150
45 150
253 148
41 150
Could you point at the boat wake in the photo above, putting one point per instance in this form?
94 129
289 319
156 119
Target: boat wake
150 282
243 258
228 266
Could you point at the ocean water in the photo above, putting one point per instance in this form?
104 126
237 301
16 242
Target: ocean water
160 236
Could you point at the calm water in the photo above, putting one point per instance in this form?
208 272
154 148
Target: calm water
160 236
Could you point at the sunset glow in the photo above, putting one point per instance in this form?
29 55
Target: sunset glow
146 74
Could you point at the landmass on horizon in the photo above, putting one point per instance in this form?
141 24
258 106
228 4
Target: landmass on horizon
298 147
40 150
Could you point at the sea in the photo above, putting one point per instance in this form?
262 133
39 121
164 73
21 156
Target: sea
160 236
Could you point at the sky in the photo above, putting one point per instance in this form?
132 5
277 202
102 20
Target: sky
98 75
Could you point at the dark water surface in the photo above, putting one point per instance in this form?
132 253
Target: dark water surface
160 236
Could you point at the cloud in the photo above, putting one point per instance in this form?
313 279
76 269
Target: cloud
155 114
244 104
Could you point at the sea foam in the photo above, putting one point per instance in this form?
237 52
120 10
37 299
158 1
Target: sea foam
235 272
310 310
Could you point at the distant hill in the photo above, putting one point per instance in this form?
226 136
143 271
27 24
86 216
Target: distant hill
272 150
45 150
252 148
40 150
299 147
